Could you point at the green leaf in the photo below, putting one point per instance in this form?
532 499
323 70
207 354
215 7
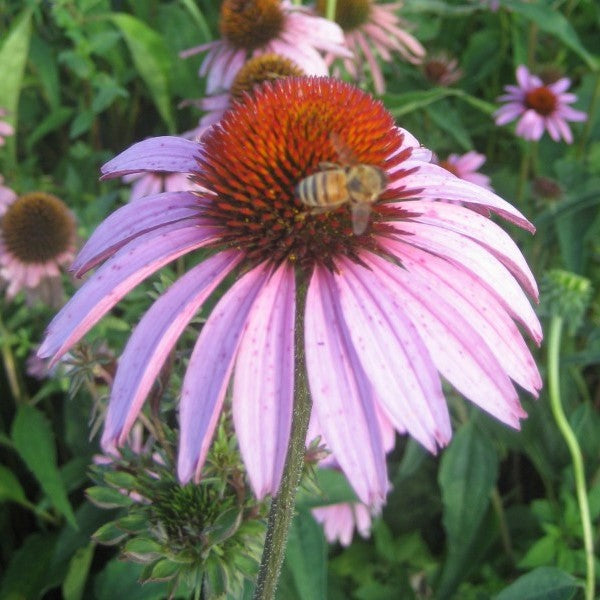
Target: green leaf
545 583
151 58
198 19
109 534
402 104
334 488
28 572
107 497
449 120
306 558
13 57
467 476
554 23
74 584
164 570
142 550
121 580
34 441
53 121
10 488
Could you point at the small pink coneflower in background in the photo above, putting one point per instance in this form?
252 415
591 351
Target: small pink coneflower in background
37 239
6 129
373 32
440 69
465 166
253 27
430 289
539 107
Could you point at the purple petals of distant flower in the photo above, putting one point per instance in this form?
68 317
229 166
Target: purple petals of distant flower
539 107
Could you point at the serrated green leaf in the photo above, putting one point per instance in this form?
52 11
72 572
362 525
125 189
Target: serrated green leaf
545 583
74 584
34 441
553 22
306 558
10 488
151 58
13 57
107 498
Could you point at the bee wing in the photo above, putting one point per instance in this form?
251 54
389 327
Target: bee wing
345 154
360 217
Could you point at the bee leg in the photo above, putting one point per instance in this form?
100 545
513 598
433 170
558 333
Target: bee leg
328 166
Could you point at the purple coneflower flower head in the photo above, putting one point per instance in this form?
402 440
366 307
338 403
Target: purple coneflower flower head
372 31
428 289
465 166
6 129
257 70
254 27
539 106
37 239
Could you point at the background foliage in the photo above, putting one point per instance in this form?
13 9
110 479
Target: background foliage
495 514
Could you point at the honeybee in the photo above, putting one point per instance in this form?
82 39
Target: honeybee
335 184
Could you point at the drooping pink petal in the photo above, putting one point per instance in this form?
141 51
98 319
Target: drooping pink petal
393 356
263 385
462 289
342 394
132 220
437 183
457 350
154 338
477 260
209 369
482 230
122 272
169 154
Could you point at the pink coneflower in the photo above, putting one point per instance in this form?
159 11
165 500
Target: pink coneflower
430 289
465 166
372 31
6 129
539 107
257 70
440 69
37 238
254 27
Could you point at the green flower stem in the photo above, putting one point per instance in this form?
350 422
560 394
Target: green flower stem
10 366
523 174
330 14
591 111
502 524
575 450
282 506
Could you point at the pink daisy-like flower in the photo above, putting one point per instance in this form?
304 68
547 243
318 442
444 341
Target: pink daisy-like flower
37 238
465 166
430 289
538 107
6 129
254 27
372 31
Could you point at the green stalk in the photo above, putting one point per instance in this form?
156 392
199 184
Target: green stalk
330 14
591 111
282 506
571 441
523 174
10 366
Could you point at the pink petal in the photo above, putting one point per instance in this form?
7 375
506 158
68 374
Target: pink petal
342 395
456 348
168 154
263 385
437 183
470 256
481 229
486 315
121 273
153 339
130 221
393 356
208 371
